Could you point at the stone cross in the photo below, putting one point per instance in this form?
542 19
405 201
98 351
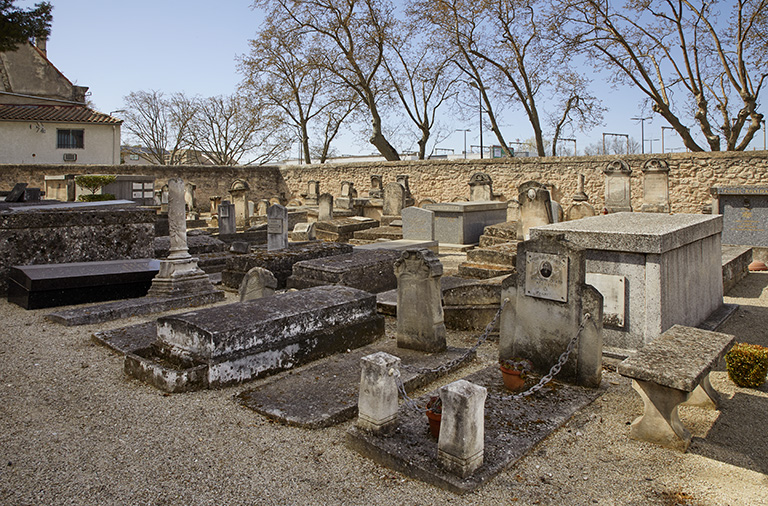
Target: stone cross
325 207
618 190
420 324
277 227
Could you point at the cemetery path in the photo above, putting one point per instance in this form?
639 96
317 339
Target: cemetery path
75 430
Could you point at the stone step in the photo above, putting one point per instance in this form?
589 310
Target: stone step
490 240
506 230
484 271
500 254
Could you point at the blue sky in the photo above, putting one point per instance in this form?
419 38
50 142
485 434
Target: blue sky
191 46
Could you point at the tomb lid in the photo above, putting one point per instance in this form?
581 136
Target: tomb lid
635 232
465 207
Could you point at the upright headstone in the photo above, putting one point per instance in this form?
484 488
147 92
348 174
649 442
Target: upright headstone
348 194
261 207
227 223
377 402
403 180
257 283
580 208
313 192
17 193
461 444
325 207
251 208
277 227
548 301
420 324
535 207
394 199
655 186
179 273
164 199
377 186
480 187
745 213
189 196
239 192
618 191
418 224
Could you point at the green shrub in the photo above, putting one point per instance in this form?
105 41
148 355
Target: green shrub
94 182
747 364
96 198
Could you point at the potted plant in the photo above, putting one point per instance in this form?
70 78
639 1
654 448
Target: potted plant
514 371
747 364
434 414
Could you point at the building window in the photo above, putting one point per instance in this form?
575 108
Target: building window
134 157
70 139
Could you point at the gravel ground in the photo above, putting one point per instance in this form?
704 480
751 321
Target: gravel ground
75 430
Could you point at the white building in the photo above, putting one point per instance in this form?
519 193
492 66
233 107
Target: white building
44 118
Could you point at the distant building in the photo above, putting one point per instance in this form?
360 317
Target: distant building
44 117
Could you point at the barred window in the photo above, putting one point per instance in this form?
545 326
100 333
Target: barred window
70 139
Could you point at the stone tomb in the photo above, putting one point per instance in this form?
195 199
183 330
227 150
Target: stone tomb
52 285
369 270
201 349
745 213
654 271
548 302
343 229
463 222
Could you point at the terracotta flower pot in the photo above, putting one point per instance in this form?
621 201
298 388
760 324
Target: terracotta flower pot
513 379
434 423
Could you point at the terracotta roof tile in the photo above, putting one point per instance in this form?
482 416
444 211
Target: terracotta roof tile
56 113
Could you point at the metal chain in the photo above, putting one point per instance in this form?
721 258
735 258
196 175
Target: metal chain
484 337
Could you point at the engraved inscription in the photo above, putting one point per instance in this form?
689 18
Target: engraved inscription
274 226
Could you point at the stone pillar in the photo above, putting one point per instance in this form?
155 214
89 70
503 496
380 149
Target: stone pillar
618 190
257 283
535 208
179 274
313 192
480 187
580 208
277 228
227 224
189 197
420 324
655 186
377 186
377 403
462 429
325 210
239 193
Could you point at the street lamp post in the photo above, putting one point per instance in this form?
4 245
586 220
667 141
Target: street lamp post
642 131
465 130
662 136
480 102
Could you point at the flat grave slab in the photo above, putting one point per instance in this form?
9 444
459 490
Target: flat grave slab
325 394
385 232
512 428
400 245
120 309
51 285
343 229
225 345
386 302
369 270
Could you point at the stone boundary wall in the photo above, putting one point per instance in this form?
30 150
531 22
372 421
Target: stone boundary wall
691 176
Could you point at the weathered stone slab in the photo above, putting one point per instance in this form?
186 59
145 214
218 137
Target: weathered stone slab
280 263
325 394
400 245
343 229
374 234
51 285
512 428
745 213
369 270
418 224
231 344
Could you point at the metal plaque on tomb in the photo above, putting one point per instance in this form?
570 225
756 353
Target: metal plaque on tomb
745 214
613 290
546 276
275 226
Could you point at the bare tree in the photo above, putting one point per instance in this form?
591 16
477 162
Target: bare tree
351 37
159 124
677 47
282 68
228 128
577 107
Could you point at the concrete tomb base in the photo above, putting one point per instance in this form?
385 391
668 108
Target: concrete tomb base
512 428
202 349
343 229
372 271
463 222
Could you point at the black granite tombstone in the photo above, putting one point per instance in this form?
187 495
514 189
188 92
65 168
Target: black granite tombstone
52 285
17 194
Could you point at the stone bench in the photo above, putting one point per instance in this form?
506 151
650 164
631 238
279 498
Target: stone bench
672 370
